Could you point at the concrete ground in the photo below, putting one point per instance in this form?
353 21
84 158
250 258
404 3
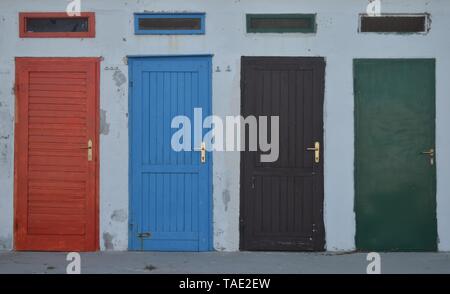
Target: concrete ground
223 263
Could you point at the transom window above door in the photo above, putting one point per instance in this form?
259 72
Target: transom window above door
56 25
281 23
169 23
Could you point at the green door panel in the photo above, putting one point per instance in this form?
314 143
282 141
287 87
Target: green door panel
395 184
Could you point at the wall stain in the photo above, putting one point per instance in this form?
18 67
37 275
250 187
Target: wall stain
4 153
104 125
219 232
108 241
119 78
226 198
5 243
119 215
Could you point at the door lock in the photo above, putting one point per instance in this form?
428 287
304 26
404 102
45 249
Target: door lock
316 150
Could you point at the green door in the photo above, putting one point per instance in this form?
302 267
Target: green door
395 201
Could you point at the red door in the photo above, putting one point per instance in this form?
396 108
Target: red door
56 154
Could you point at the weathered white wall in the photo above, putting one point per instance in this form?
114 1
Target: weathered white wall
336 39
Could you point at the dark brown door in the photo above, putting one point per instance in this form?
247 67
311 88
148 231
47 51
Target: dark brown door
282 201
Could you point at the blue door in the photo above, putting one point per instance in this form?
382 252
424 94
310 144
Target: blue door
170 192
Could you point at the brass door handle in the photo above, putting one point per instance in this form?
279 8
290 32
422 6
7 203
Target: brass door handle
316 150
430 153
203 153
89 149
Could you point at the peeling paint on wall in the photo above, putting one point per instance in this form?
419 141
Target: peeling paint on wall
226 198
108 241
119 78
119 215
104 125
3 153
217 245
5 243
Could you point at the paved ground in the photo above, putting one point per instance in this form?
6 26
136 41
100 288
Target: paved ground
218 262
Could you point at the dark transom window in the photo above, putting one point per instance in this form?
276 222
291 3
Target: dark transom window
170 24
57 25
281 23
42 25
394 23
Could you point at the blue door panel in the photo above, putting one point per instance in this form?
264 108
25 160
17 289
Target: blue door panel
170 193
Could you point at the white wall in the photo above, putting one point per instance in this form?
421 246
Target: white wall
336 39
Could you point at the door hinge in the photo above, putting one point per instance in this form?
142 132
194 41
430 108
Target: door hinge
131 84
144 235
